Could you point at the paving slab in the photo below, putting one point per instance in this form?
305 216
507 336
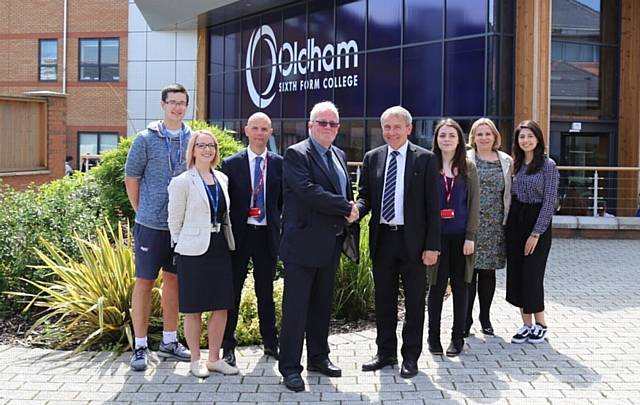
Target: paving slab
592 355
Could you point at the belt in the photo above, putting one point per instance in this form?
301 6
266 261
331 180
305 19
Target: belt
392 228
215 228
256 227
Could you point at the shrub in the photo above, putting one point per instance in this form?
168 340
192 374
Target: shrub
354 293
109 175
54 212
110 172
248 329
86 305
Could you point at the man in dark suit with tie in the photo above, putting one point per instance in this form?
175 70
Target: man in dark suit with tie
398 184
317 206
255 192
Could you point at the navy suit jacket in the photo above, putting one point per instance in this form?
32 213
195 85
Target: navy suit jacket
421 198
236 167
314 208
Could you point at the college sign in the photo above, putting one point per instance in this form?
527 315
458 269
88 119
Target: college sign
294 59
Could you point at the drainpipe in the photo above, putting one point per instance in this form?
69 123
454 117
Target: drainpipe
64 49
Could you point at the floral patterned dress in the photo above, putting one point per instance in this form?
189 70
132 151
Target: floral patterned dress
490 243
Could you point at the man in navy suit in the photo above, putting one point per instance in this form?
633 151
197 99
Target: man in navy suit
399 186
255 191
317 207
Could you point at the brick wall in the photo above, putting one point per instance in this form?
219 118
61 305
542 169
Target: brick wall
89 104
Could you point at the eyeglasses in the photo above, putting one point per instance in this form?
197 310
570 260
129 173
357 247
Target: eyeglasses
174 103
203 146
325 124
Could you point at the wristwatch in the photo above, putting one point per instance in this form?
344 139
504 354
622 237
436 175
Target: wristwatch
535 235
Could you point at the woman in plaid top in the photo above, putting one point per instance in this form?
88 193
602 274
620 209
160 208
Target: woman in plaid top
534 192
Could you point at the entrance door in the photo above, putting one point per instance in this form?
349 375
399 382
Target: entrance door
594 145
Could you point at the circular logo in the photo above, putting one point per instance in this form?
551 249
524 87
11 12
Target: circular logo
261 100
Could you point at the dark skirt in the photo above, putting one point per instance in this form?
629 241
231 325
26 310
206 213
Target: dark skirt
525 274
205 283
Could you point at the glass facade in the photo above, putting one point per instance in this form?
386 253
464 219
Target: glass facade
435 57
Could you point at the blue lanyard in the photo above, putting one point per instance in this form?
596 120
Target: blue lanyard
213 198
172 165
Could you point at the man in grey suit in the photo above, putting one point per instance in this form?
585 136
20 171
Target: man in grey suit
317 207
398 184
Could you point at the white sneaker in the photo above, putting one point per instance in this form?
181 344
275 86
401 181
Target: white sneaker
222 367
538 333
521 335
198 369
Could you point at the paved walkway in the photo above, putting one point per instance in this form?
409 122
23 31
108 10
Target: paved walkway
592 356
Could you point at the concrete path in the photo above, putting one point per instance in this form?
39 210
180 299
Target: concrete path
592 356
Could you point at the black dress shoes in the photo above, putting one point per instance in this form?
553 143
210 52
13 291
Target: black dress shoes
378 362
435 347
409 369
229 356
294 382
455 348
325 367
488 330
271 351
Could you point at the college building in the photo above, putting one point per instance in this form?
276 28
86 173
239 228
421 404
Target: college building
571 65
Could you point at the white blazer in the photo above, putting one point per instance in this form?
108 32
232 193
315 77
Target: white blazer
506 162
190 213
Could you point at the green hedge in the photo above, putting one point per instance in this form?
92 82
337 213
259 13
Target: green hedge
55 212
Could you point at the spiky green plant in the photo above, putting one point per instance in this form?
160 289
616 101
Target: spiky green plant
354 292
87 303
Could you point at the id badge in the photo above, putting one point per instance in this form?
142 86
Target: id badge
447 213
254 212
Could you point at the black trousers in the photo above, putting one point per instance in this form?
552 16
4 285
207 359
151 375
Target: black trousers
484 281
451 267
391 263
525 274
256 248
306 309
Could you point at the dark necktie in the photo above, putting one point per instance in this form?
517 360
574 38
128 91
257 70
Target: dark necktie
258 187
389 197
331 167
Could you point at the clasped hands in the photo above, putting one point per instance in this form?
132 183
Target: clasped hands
355 214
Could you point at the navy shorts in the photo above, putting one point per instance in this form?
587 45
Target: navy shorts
152 251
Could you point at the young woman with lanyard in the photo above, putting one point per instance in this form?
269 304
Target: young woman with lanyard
459 191
200 227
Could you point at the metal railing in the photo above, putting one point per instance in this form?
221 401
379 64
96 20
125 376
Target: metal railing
598 190
586 190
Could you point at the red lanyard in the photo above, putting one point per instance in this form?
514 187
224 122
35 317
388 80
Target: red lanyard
448 189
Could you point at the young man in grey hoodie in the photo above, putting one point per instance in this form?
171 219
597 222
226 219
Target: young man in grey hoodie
156 156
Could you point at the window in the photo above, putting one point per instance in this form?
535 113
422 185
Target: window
99 59
48 65
96 143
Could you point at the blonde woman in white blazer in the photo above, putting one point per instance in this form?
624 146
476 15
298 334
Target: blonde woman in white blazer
494 171
201 230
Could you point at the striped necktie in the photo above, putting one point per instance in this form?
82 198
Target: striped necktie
389 197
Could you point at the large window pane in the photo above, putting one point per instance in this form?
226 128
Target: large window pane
349 89
109 51
231 95
49 52
89 73
216 96
385 22
88 144
500 76
501 16
350 139
416 13
464 77
466 17
108 142
577 20
109 73
350 19
268 50
383 81
232 52
321 23
422 80
249 27
216 51
89 51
